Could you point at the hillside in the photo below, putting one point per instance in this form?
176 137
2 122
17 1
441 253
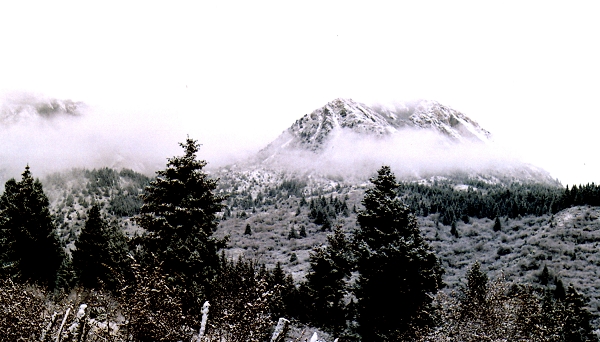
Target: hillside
285 226
71 194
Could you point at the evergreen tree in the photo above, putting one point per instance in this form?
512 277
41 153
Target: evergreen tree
475 294
100 254
497 224
398 270
577 326
278 275
248 230
289 305
326 287
32 250
453 229
179 216
7 235
559 291
545 276
292 234
302 231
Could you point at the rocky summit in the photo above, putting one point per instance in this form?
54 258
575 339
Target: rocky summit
314 130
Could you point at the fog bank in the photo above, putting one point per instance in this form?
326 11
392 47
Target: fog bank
90 138
411 153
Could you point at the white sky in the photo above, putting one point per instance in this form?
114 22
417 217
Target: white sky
234 75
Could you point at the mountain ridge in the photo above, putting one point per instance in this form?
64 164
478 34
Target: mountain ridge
25 108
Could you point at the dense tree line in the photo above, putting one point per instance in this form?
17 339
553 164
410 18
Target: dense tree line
481 200
323 210
293 187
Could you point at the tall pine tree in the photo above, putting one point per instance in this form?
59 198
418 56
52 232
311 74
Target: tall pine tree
179 216
100 254
398 272
330 266
474 300
32 250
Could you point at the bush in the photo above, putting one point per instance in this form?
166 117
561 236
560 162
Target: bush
23 309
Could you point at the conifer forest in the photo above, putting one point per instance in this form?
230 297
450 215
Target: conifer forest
196 255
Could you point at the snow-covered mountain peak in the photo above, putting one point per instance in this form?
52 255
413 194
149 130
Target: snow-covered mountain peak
313 131
428 114
25 108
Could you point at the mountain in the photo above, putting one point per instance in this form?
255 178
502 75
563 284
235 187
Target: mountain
24 108
418 140
314 130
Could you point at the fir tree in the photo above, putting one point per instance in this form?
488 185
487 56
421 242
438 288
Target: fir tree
559 291
453 229
302 231
32 250
326 287
179 216
475 294
287 306
100 253
577 326
398 270
497 224
278 275
545 276
292 234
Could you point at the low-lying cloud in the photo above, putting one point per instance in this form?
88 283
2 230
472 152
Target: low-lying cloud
411 153
143 140
93 138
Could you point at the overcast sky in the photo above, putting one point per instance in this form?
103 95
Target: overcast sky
234 75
